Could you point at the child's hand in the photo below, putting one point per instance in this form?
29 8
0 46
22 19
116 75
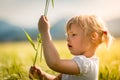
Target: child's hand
43 24
35 73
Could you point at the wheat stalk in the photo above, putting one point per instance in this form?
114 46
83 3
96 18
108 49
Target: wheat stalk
39 37
47 6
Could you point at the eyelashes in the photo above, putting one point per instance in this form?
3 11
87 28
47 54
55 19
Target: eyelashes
74 34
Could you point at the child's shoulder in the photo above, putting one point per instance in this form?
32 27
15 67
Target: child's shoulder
85 63
84 58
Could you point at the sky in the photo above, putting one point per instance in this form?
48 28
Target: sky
26 13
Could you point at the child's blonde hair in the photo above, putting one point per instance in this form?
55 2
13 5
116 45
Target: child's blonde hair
91 23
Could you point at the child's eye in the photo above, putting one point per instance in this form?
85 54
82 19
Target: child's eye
74 34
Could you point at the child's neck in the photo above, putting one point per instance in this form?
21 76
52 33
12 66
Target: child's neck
90 53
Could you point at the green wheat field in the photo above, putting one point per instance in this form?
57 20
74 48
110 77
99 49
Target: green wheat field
17 57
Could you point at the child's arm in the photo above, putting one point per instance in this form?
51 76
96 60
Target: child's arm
40 75
50 53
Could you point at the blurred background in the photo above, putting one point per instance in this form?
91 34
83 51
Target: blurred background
16 15
17 54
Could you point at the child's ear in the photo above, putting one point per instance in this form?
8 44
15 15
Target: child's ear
94 36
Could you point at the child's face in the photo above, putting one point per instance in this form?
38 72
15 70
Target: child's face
76 42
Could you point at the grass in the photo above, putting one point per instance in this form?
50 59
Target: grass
16 59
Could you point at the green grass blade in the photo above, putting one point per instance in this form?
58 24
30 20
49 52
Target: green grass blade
41 53
39 38
46 7
36 53
39 41
53 3
35 58
29 39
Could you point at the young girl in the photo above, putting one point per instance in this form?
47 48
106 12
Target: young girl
84 34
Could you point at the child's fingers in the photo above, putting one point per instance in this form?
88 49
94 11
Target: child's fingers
43 18
35 76
31 76
33 70
35 73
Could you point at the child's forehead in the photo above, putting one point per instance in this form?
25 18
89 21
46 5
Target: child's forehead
74 29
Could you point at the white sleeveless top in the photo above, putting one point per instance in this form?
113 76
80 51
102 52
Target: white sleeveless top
88 69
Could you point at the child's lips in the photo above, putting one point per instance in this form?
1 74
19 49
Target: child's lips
69 45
